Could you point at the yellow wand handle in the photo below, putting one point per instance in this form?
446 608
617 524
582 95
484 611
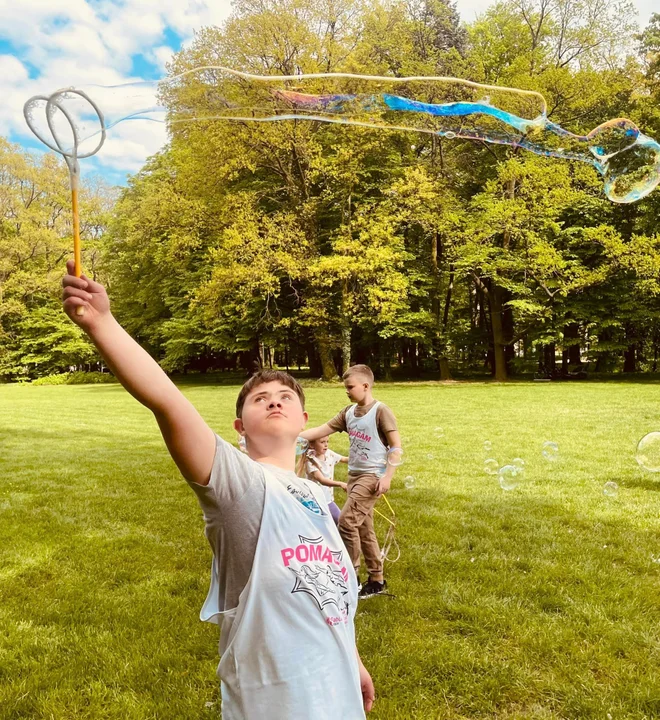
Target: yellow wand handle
76 232
80 311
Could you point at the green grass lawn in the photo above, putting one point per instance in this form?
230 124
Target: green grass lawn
541 602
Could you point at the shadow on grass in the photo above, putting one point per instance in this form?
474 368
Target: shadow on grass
652 484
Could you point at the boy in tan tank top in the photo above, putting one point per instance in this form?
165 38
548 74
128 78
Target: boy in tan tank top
373 434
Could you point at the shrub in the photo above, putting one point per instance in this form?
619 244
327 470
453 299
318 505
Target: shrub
76 378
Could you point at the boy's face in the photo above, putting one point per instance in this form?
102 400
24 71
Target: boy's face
357 388
272 411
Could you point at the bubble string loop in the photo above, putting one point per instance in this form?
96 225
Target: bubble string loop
628 160
389 541
55 103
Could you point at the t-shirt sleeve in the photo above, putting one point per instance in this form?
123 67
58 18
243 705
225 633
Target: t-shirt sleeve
232 504
385 420
232 475
333 456
338 422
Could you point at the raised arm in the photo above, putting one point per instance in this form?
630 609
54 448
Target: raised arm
317 432
189 439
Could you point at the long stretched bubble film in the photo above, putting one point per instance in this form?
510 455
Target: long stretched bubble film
72 120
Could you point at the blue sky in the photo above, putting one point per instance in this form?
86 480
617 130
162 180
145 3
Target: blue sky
49 44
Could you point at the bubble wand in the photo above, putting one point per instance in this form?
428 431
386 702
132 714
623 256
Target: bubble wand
71 156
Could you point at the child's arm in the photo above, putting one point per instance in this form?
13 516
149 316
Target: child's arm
323 480
336 424
393 441
343 459
317 432
366 685
189 439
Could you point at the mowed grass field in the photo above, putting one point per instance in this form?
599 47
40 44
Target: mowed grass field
542 602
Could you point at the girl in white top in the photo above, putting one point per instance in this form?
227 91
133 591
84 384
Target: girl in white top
320 467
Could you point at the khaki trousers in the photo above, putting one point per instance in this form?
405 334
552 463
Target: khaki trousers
356 524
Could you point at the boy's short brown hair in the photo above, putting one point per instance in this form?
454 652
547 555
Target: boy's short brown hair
266 376
359 370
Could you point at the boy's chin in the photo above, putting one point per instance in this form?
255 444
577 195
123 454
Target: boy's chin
279 430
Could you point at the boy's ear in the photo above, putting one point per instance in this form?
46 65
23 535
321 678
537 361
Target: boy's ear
305 419
238 426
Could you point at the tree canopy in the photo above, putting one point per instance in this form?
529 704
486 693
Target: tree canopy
307 243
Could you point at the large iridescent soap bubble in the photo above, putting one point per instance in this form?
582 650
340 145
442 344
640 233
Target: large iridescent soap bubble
510 476
550 451
448 107
491 466
648 452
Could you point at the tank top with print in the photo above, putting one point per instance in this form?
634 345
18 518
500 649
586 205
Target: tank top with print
367 453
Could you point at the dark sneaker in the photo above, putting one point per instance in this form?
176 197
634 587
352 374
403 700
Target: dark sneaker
373 587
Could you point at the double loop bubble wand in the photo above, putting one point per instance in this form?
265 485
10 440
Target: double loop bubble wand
54 104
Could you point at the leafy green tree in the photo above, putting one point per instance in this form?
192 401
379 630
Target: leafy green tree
346 243
35 241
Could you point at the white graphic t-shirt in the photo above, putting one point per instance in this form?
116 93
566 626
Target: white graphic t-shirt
326 466
283 591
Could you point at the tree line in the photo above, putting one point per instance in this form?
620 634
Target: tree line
306 244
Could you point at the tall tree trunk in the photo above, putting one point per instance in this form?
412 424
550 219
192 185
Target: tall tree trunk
547 363
314 360
630 353
501 316
385 359
345 348
414 358
550 361
507 333
345 329
499 341
327 363
445 371
482 324
572 344
630 359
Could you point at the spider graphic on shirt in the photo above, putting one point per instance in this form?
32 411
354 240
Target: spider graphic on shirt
360 449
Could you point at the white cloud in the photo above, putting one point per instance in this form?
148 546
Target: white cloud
129 144
84 42
160 56
12 69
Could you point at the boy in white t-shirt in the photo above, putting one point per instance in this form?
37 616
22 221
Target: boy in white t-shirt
282 588
320 467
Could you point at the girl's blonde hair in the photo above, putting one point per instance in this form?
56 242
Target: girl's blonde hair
301 465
